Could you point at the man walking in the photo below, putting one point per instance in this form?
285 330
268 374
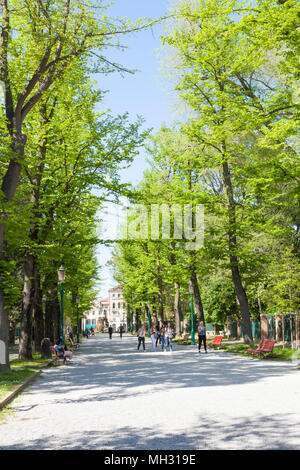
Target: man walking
162 337
202 336
141 337
110 331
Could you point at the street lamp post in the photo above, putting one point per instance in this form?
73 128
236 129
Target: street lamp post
77 302
61 278
191 289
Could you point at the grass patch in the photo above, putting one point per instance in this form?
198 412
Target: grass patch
13 378
19 372
36 362
279 353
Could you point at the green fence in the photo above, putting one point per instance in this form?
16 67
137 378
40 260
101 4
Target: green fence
233 329
256 330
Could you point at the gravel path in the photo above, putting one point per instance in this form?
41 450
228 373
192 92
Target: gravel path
113 397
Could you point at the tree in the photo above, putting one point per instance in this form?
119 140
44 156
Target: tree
231 100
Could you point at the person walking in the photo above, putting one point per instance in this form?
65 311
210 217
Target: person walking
162 337
110 331
202 336
168 337
121 331
154 334
141 337
158 340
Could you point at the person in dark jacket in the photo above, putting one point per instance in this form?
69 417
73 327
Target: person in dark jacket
202 336
110 332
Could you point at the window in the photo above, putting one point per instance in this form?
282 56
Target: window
119 305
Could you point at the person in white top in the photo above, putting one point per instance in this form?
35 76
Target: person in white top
141 337
168 337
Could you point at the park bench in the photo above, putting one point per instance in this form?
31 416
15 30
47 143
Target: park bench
57 357
216 342
264 347
260 344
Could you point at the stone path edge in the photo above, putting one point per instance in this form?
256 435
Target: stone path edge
19 388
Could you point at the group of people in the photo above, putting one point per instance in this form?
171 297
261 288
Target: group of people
163 336
62 350
111 330
88 332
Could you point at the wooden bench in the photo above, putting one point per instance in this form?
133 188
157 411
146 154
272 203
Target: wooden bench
216 342
265 346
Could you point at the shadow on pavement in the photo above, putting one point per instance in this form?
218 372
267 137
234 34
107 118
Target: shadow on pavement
207 435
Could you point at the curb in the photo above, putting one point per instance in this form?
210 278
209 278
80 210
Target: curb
11 395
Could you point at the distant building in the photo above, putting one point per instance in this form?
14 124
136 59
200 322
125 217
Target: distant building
91 317
107 311
117 308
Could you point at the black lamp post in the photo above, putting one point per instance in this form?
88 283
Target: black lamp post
77 301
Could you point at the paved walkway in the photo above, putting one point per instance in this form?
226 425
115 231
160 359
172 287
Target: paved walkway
113 397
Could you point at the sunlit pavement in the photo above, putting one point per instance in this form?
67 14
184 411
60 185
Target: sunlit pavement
114 397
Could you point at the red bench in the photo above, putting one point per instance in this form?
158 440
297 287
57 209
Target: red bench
216 342
265 346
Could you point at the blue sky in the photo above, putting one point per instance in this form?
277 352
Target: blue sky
144 93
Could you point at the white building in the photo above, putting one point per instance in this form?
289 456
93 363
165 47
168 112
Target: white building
117 315
107 311
90 318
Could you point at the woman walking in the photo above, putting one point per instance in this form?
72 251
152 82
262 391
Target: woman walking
153 338
168 337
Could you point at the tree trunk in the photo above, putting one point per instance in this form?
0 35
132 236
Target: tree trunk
154 315
4 335
49 314
234 262
137 319
297 328
9 185
197 296
25 345
56 316
177 308
39 326
160 294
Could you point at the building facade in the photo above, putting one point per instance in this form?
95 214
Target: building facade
107 311
91 317
117 308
